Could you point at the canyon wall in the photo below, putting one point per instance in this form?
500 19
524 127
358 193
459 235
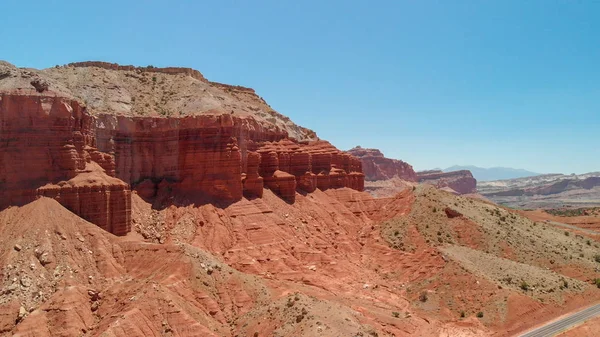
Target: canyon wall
52 145
461 182
378 167
47 149
222 157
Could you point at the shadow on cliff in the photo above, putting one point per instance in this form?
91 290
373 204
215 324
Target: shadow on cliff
161 198
173 198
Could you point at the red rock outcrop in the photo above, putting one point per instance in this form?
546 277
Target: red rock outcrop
461 182
316 164
53 146
378 167
199 156
219 156
47 149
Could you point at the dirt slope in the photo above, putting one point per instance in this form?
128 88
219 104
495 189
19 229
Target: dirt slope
333 263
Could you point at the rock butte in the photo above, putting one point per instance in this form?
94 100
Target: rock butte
378 167
86 156
460 182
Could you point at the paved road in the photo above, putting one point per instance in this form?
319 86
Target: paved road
554 328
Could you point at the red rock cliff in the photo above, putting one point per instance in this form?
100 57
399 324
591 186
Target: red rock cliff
310 165
461 182
378 167
47 148
220 157
86 158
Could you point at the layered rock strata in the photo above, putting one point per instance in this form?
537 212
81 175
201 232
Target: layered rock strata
460 182
310 165
378 167
87 157
220 157
47 148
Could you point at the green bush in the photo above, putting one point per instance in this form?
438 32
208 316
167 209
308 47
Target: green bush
524 286
597 282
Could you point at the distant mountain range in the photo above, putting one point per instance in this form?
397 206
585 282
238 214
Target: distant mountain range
493 173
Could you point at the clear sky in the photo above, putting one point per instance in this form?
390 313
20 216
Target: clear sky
435 83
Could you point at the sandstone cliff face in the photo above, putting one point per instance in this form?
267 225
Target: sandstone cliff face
47 149
219 157
311 165
461 182
378 167
87 157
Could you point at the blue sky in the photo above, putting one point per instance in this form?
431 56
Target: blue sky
435 83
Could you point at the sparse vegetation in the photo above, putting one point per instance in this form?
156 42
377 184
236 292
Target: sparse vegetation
524 286
597 258
395 314
480 314
423 297
462 314
572 212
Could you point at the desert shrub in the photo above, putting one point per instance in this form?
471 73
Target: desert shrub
524 285
153 78
588 242
480 314
423 297
597 258
462 314
597 282
566 233
395 314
